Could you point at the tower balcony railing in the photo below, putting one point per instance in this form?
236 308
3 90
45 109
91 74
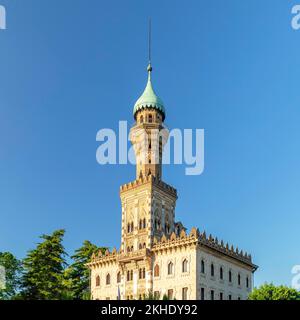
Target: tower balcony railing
134 255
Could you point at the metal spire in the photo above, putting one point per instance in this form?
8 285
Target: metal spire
150 40
149 47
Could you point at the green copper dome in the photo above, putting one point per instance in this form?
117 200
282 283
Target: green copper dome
149 99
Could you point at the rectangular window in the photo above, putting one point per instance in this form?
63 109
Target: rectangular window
230 297
202 297
170 294
221 295
212 295
184 293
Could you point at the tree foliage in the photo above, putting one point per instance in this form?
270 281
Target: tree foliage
44 266
12 268
77 275
272 292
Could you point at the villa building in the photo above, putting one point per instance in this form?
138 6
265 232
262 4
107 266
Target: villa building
157 255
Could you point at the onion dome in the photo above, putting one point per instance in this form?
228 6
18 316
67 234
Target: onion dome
149 99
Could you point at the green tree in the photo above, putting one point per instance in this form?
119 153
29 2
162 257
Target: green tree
12 273
272 292
77 275
44 266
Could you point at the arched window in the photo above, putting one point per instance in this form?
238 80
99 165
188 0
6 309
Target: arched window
150 119
156 270
239 279
118 277
140 246
128 227
131 249
158 224
140 224
144 223
230 276
140 274
221 273
184 265
202 266
108 279
131 275
144 245
212 270
247 282
144 273
170 268
128 275
97 281
131 226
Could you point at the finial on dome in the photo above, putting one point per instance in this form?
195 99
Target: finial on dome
149 99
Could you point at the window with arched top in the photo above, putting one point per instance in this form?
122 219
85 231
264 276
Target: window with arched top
131 227
230 276
97 281
144 273
221 273
158 224
156 270
150 118
131 249
140 246
131 275
144 223
170 268
247 282
202 266
108 279
185 265
128 275
239 279
128 227
212 270
119 277
144 245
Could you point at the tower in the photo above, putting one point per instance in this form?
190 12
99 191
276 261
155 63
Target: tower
148 204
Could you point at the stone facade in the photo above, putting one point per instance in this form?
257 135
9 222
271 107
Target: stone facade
156 254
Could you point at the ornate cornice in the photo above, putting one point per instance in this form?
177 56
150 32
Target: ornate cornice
149 179
194 238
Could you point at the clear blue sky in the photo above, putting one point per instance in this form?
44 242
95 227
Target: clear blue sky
71 67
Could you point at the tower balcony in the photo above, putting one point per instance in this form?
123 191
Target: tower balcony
134 256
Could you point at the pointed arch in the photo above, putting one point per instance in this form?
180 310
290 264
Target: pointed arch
156 270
